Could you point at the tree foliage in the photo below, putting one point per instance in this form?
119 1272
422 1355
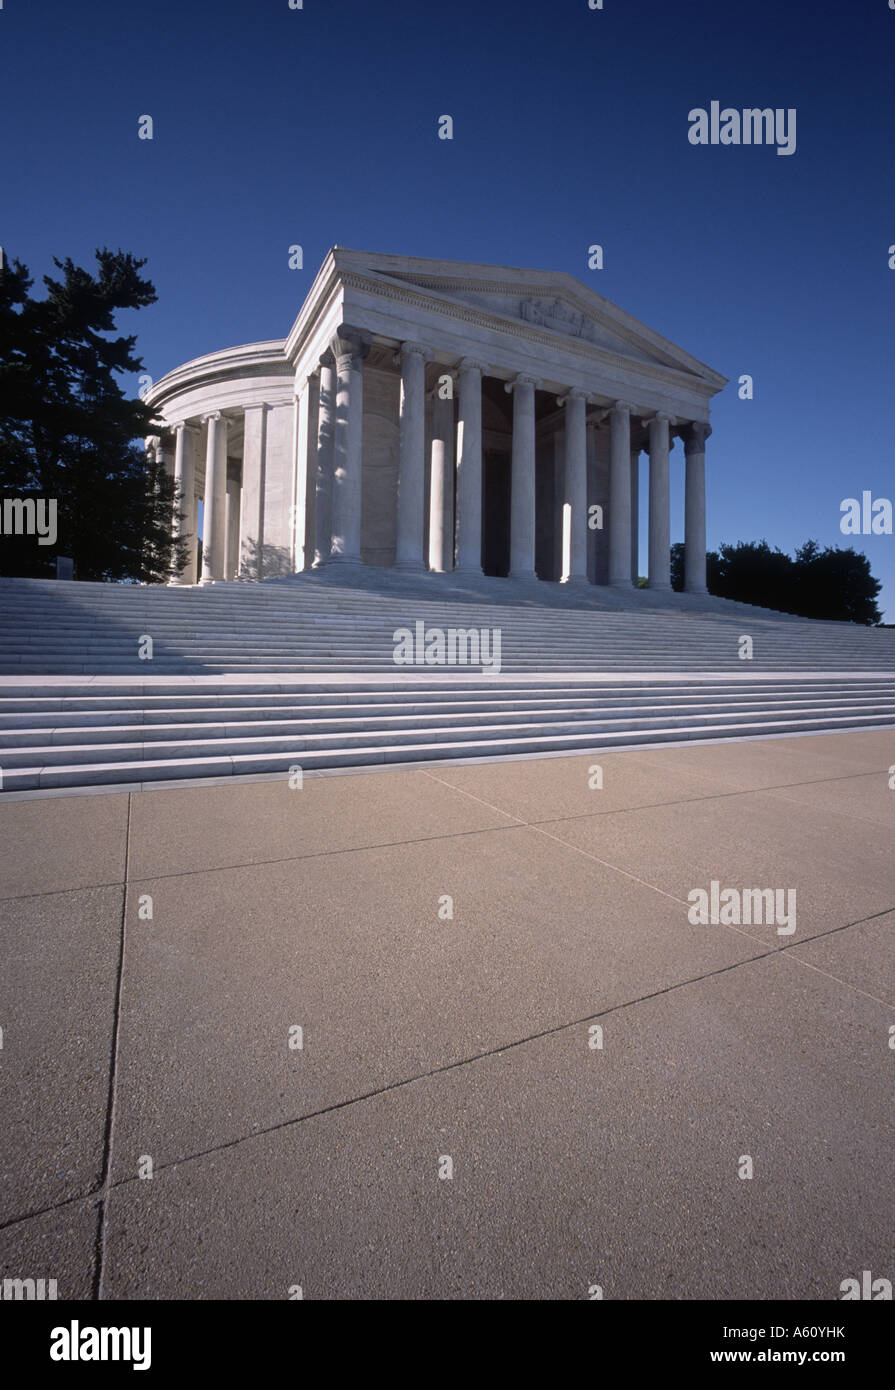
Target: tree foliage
831 583
68 431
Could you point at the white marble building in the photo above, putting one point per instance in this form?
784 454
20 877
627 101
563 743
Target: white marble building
440 415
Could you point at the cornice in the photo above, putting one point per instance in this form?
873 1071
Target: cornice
247 362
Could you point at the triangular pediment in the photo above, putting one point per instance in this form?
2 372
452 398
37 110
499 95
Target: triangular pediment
558 314
555 304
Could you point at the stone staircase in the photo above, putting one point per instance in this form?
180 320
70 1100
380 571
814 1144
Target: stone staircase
338 622
253 679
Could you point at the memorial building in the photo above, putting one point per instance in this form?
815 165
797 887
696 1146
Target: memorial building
439 415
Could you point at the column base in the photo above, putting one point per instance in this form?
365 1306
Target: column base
410 567
522 574
468 572
345 560
662 588
577 581
691 589
621 584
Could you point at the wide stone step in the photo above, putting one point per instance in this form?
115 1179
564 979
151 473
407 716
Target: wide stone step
164 725
157 702
295 745
134 772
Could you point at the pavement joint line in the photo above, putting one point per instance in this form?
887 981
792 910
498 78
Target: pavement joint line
720 777
716 796
750 936
536 826
517 822
92 1195
112 1094
458 1063
99 1193
57 892
326 854
461 1062
886 1003
835 810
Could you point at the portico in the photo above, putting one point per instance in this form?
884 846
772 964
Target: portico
442 416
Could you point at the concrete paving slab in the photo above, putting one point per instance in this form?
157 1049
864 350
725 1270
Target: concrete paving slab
57 1245
867 797
351 948
547 788
49 845
572 1167
58 969
841 869
872 746
863 955
777 762
188 829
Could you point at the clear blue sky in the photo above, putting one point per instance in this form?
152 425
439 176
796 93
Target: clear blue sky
318 126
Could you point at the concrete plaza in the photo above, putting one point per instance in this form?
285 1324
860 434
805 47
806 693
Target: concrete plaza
160 948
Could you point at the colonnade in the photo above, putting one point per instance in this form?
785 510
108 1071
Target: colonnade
335 474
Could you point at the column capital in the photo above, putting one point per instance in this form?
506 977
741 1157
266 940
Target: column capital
574 394
660 416
213 415
523 379
349 345
694 435
471 364
621 407
410 348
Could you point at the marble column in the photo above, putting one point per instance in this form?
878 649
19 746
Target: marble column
305 453
185 506
231 529
251 510
164 455
620 495
559 565
469 469
411 458
323 472
522 478
441 486
575 402
694 508
635 514
596 536
215 498
659 502
349 351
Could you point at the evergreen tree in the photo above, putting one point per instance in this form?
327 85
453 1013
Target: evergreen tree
69 433
833 583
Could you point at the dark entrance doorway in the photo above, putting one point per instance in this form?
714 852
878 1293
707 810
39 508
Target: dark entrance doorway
496 513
